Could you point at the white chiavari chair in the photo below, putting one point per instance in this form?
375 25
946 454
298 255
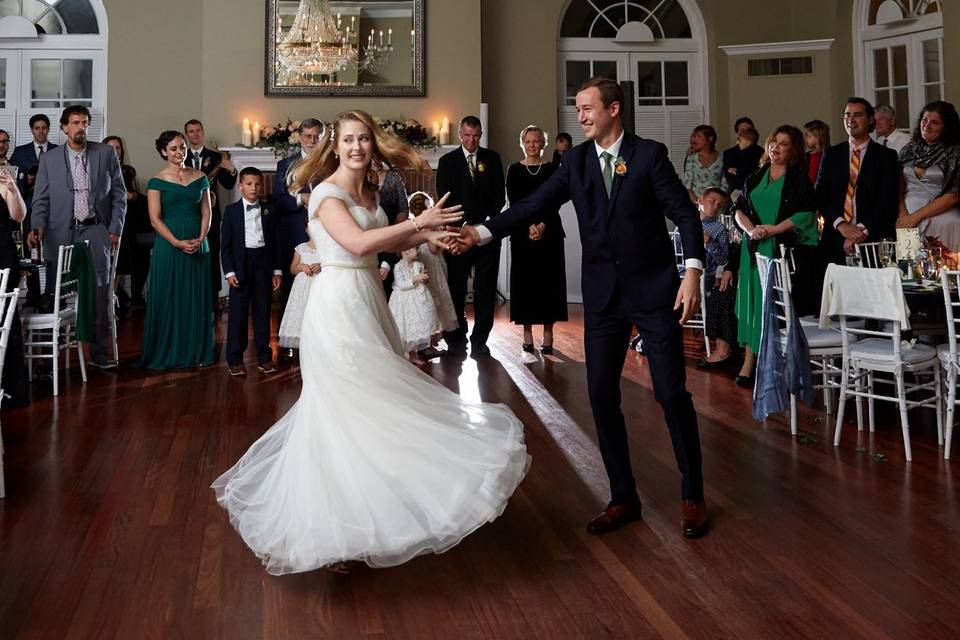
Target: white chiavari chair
8 306
948 353
699 321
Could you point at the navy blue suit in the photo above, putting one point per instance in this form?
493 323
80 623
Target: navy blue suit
25 155
291 226
254 269
629 277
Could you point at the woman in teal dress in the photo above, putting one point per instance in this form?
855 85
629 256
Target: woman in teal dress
776 207
178 332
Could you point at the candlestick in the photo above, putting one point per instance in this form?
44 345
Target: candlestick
245 135
389 37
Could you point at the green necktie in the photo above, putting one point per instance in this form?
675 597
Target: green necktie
471 166
607 171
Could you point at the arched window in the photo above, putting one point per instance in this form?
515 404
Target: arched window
898 54
52 55
659 45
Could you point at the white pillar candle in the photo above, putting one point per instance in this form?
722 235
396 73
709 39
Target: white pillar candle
245 136
256 133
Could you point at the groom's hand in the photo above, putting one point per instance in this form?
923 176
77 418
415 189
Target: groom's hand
469 238
688 295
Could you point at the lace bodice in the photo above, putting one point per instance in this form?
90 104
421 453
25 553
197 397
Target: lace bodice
331 253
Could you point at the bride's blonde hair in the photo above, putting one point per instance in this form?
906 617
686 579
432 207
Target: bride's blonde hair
388 148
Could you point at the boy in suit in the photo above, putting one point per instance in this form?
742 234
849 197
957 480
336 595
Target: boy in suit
250 260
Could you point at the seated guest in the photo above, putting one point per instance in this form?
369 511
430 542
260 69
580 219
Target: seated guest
816 138
561 145
721 319
886 132
777 206
538 275
291 210
178 329
28 155
249 255
856 187
703 166
743 158
931 178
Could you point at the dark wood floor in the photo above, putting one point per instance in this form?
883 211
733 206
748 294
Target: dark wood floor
110 530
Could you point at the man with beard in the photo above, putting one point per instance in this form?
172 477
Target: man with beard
80 196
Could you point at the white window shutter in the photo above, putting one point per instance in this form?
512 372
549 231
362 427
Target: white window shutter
680 123
24 135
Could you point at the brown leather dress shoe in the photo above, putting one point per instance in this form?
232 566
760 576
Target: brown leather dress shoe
693 522
238 370
614 517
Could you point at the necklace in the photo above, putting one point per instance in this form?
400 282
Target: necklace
533 173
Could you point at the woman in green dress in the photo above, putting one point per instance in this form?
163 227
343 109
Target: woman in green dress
178 332
776 207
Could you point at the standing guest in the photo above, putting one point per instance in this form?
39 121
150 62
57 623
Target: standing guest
5 148
931 179
703 166
816 139
538 274
437 283
178 330
629 279
393 199
28 155
249 255
777 206
133 260
886 132
721 297
290 209
561 145
305 264
473 176
856 187
12 212
219 169
80 196
743 158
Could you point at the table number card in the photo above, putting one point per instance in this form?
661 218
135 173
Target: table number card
908 243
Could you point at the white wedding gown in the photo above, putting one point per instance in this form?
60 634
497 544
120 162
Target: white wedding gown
376 461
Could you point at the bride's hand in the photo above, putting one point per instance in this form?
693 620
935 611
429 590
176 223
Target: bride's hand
443 240
437 215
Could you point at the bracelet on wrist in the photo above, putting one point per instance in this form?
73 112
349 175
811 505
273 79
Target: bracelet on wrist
415 225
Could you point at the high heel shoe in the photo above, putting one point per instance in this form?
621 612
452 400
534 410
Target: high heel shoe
528 347
745 382
546 349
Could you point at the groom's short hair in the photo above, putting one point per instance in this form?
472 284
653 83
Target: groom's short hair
610 91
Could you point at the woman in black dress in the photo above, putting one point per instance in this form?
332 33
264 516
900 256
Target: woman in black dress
134 258
12 212
538 276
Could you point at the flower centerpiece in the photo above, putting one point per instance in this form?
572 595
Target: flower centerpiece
410 131
283 137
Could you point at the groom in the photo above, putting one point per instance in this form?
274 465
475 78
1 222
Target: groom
622 187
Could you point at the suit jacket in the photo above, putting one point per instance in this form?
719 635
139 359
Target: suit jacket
25 155
483 195
877 192
285 204
233 238
626 247
209 160
53 192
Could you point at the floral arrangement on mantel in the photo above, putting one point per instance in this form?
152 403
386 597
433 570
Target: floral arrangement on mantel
284 137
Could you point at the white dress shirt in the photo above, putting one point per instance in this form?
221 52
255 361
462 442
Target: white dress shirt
190 156
897 140
40 148
863 153
252 231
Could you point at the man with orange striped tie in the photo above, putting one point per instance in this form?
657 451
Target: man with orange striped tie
857 187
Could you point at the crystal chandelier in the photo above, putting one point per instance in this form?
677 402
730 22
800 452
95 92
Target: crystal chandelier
376 53
314 46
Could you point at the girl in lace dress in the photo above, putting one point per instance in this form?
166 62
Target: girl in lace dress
412 304
305 265
436 266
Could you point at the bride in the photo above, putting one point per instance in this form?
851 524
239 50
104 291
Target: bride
376 461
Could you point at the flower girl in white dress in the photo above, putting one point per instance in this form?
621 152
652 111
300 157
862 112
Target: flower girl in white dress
376 461
411 304
305 265
436 266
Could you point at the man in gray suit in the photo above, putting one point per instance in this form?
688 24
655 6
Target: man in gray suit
80 195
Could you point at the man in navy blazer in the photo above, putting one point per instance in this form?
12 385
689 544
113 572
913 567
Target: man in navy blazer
291 210
28 155
248 251
622 187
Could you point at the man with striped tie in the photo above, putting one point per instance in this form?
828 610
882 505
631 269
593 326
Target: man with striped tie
857 187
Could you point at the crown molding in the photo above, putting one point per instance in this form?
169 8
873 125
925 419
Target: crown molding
777 47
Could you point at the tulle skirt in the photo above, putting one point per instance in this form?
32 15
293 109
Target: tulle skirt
376 461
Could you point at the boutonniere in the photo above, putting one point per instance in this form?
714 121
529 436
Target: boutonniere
620 166
481 167
206 162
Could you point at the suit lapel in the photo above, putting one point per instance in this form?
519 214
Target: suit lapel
93 170
627 148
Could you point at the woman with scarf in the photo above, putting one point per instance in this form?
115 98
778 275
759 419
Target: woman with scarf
931 179
776 207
